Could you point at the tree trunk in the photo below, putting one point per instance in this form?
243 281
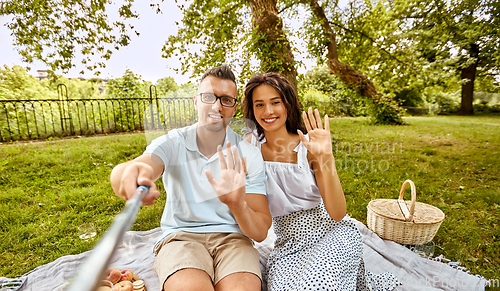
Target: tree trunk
468 75
271 44
354 79
347 74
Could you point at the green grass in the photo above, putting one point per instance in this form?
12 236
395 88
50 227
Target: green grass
455 164
49 188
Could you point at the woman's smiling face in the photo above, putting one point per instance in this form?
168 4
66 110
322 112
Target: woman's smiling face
268 108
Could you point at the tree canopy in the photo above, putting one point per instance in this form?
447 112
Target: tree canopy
53 31
129 85
166 85
17 84
250 35
462 35
406 46
379 49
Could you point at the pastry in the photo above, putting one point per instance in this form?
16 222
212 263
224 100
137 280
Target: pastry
139 285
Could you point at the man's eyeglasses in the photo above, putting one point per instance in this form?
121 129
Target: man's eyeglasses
211 98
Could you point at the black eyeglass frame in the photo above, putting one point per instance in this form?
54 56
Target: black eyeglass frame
218 98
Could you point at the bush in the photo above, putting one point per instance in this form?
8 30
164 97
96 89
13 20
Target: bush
385 111
316 85
483 107
490 99
446 102
17 84
313 95
320 89
495 108
317 99
409 97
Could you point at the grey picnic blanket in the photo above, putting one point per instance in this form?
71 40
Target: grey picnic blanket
136 253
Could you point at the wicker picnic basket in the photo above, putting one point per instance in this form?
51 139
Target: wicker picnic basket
405 222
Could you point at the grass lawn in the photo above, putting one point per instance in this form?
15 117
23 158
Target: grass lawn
50 188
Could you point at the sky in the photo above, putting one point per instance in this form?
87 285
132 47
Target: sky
142 56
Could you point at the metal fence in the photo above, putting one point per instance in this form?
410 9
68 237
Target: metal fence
39 119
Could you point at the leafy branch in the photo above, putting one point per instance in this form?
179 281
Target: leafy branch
370 38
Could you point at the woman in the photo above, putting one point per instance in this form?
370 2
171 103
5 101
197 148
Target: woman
317 246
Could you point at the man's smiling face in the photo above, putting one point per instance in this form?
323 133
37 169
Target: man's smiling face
215 117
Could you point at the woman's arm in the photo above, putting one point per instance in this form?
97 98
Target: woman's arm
320 156
329 186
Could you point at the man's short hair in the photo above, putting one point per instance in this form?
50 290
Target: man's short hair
222 72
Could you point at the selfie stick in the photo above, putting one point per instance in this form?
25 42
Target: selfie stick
95 264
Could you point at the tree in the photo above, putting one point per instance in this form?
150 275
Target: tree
466 30
16 84
77 88
369 37
320 79
408 47
219 25
232 31
128 114
52 31
385 110
270 42
166 85
128 86
226 30
320 89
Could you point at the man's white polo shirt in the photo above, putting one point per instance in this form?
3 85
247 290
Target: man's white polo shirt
192 204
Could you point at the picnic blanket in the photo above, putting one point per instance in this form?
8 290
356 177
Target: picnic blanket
136 253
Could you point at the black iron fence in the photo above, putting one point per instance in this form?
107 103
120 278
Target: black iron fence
39 119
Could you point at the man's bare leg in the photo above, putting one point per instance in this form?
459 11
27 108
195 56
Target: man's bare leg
189 280
239 282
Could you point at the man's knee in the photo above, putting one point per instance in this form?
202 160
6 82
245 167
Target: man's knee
188 280
241 281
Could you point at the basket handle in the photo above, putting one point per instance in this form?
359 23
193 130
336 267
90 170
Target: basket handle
408 214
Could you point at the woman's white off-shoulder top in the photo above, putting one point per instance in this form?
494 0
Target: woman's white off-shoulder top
290 187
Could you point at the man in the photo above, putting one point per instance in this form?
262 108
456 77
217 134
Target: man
215 201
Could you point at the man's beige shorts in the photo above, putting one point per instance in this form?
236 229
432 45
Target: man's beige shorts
218 254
